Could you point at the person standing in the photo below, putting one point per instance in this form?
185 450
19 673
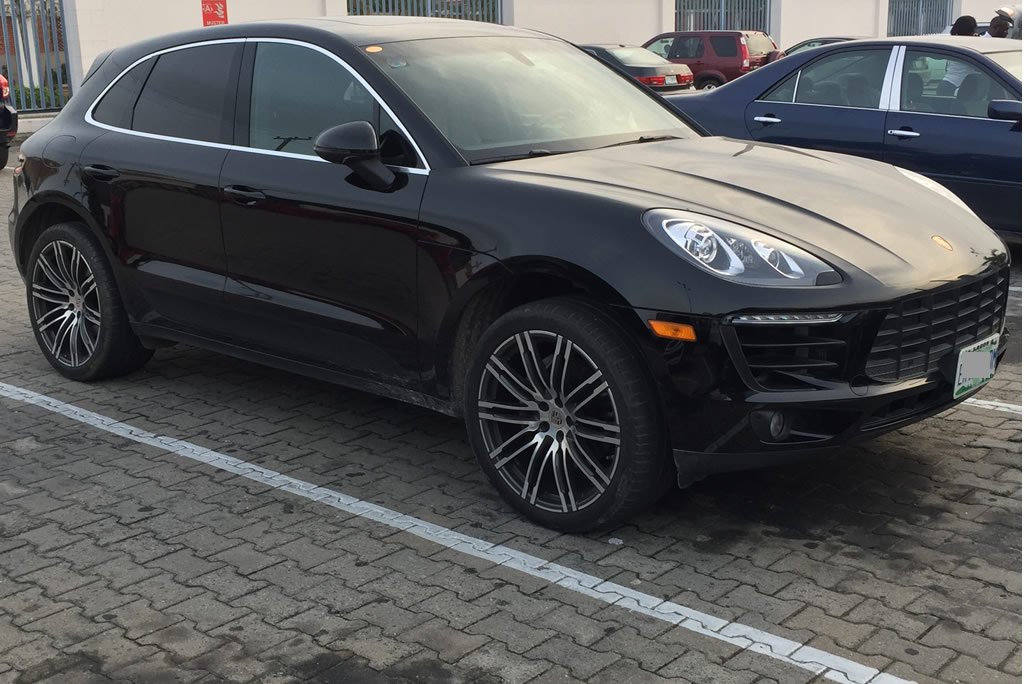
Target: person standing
965 26
999 27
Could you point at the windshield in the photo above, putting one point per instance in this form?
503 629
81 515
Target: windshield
637 56
1008 60
498 98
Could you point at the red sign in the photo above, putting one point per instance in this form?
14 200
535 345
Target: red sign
215 12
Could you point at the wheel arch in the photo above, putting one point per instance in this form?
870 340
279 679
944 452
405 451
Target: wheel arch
48 209
503 287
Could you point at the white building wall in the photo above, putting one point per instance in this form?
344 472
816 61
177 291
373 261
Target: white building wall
96 26
794 21
594 21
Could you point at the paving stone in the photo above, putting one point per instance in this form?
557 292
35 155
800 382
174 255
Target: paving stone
873 612
581 629
67 627
517 636
381 651
456 612
183 640
581 661
524 608
988 651
230 662
967 669
112 650
139 619
450 644
158 668
206 612
391 618
814 619
922 658
162 590
509 667
30 604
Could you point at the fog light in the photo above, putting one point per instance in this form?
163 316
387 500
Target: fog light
770 426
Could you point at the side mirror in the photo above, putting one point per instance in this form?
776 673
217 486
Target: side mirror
1004 110
355 145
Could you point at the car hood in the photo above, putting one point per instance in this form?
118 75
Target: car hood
857 214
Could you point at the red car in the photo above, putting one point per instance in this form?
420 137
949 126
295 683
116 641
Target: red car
8 121
714 57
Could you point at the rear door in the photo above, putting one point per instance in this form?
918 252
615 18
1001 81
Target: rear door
939 127
152 180
833 103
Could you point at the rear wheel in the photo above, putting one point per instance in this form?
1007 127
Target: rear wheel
564 418
708 84
75 308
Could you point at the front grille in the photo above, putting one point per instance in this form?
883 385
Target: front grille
921 331
777 355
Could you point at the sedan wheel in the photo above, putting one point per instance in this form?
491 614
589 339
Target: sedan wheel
563 418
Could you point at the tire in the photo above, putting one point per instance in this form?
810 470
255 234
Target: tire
5 156
75 309
709 84
561 450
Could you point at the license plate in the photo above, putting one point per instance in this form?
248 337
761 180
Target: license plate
976 366
671 80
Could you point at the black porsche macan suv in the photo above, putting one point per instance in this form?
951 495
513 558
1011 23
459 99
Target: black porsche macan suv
488 222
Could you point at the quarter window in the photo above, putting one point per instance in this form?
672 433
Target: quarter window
117 106
845 79
724 46
937 83
190 94
297 94
662 47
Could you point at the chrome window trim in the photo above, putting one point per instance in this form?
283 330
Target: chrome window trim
897 105
897 80
812 104
252 150
885 98
952 116
796 86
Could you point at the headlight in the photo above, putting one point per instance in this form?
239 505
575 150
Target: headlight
735 252
935 187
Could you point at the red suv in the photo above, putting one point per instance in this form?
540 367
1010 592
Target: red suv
714 57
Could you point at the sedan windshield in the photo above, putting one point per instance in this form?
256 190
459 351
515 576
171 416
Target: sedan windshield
504 98
1008 60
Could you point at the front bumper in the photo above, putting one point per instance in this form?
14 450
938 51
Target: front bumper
823 387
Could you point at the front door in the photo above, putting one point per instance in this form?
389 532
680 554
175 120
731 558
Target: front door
152 181
833 104
321 268
942 130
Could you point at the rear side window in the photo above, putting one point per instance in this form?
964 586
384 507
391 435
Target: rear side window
286 75
725 46
843 79
116 107
190 94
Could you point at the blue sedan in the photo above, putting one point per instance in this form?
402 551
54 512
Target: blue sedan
946 107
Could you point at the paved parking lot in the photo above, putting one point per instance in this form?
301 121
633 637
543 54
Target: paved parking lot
211 520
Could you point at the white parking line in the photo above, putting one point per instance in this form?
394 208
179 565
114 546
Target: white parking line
831 667
995 405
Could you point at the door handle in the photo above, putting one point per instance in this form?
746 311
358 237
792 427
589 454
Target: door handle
101 172
244 195
900 133
768 120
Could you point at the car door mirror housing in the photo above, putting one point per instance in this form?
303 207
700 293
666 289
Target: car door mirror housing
356 146
1004 110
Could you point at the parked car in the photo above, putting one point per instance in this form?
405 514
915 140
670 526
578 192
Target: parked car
609 299
645 66
949 110
8 121
714 57
818 42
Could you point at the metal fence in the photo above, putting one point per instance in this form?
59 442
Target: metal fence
919 17
473 10
33 55
713 15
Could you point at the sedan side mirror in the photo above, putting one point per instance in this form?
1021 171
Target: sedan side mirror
1004 110
355 145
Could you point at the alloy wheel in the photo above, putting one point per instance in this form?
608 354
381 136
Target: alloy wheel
549 421
65 303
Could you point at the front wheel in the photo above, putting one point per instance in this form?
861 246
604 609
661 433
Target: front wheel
564 418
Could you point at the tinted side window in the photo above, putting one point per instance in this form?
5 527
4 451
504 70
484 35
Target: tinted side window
845 79
724 46
783 92
943 84
116 107
297 94
190 94
689 48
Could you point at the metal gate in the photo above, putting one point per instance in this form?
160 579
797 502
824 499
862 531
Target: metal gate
33 56
473 10
919 17
732 15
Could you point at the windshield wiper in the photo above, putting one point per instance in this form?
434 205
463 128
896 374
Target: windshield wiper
642 139
527 155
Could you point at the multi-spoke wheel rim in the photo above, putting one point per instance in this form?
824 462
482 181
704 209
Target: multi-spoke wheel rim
65 303
549 421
